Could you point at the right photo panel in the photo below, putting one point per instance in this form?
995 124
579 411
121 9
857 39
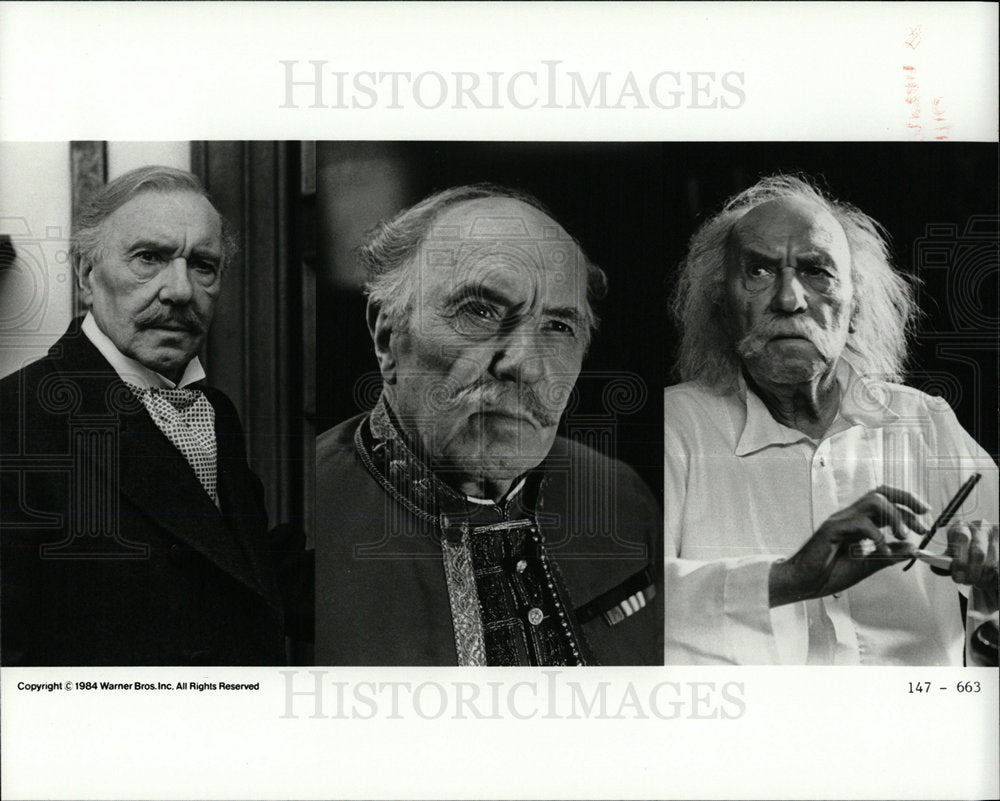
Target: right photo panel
830 439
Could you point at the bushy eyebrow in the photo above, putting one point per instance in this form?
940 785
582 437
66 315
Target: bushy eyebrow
163 246
478 292
149 244
208 254
568 314
809 256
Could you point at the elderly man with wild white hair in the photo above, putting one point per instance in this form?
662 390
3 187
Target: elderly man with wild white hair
798 474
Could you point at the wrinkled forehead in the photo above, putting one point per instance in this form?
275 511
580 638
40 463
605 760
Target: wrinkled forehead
506 244
165 214
784 223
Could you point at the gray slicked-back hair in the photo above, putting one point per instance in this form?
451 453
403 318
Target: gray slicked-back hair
86 242
389 250
884 313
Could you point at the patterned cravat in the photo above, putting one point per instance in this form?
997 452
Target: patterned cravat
187 419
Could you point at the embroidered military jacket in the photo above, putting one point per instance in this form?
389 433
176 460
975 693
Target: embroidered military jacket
410 572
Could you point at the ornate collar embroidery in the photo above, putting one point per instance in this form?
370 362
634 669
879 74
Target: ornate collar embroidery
529 622
407 477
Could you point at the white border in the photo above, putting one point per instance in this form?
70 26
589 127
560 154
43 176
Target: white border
838 733
813 72
831 71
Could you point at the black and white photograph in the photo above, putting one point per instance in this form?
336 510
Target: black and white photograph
504 394
136 525
824 423
658 217
389 391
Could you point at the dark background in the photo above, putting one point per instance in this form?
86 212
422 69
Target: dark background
634 207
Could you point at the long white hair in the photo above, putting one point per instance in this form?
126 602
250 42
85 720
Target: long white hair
884 308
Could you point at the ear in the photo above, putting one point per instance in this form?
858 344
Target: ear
84 277
381 329
852 326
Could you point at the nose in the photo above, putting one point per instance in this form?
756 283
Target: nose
519 357
175 284
789 294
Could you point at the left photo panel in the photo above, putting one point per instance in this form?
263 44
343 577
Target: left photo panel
156 403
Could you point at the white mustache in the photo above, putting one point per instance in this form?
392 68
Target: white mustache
517 400
752 343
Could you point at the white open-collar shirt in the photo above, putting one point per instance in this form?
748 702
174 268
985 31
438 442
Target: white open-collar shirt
742 490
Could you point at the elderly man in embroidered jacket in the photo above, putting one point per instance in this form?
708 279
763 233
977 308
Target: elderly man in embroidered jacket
789 451
454 525
133 531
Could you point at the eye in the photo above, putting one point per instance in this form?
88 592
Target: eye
477 318
205 266
481 310
560 327
758 270
817 274
149 257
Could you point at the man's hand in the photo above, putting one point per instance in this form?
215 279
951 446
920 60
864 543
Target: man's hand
833 559
973 551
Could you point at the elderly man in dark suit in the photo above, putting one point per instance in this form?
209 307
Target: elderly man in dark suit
133 531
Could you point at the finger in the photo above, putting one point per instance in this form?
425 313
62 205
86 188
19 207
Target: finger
895 495
991 548
990 579
851 531
978 544
878 539
901 550
959 537
883 512
892 551
887 552
853 542
910 519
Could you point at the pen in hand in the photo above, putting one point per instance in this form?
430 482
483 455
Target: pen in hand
947 514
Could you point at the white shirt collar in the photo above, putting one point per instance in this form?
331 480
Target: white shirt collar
507 495
129 369
862 402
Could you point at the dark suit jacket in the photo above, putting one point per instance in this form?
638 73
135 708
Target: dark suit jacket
112 552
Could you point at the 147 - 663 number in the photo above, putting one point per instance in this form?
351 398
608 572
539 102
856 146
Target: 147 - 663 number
960 687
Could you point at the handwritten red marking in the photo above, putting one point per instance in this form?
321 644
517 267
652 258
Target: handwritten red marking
912 39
